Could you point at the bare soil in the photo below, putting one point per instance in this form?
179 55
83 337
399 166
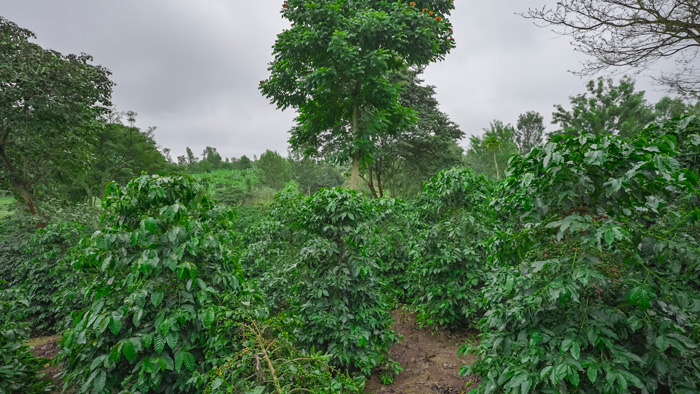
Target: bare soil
429 358
47 347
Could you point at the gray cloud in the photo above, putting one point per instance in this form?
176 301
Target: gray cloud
192 68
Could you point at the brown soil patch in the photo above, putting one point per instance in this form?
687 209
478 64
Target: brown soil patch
47 347
429 359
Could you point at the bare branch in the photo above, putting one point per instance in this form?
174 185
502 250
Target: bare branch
631 34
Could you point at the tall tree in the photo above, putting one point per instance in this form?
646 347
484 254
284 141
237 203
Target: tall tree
120 153
490 152
332 65
529 131
667 108
494 144
632 34
243 163
191 158
275 170
406 158
50 107
313 175
606 108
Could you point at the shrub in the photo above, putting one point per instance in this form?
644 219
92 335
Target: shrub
53 287
163 264
321 248
19 369
337 293
448 258
596 285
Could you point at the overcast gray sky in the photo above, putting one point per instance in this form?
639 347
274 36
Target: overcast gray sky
192 67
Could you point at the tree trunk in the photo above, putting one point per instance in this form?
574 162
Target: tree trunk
379 180
18 183
355 173
498 174
371 184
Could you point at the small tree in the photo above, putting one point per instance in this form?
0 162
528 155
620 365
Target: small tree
496 145
606 108
529 131
332 66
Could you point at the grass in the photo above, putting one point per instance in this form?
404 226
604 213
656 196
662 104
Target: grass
6 206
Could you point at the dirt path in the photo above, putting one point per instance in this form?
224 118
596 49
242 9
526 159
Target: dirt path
47 347
429 359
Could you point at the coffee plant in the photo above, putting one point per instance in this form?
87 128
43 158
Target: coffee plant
19 369
163 265
271 247
393 225
337 294
51 283
449 253
318 256
595 285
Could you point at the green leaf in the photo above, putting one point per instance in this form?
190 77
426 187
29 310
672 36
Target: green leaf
147 340
136 319
130 351
574 378
115 324
150 225
115 354
592 373
158 344
517 380
525 387
209 317
156 297
189 361
100 381
179 360
640 296
103 323
575 350
172 339
622 382
105 263
97 361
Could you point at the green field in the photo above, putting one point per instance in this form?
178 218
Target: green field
5 206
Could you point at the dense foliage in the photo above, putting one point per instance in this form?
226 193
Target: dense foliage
318 247
595 283
163 260
576 255
446 273
49 108
19 369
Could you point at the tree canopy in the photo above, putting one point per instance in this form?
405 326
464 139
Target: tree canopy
50 107
404 159
606 108
332 66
